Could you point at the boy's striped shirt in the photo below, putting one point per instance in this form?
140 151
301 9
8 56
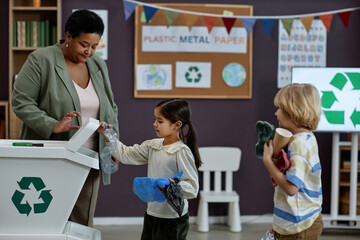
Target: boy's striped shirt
293 214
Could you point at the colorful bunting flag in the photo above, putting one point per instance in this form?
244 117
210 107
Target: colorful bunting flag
190 20
170 17
287 22
268 25
248 24
307 21
327 19
149 13
229 23
129 8
345 18
210 22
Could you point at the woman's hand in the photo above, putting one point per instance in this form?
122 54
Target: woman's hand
64 125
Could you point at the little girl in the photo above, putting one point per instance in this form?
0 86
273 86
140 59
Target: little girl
166 156
298 194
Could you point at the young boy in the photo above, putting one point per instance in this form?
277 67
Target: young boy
298 194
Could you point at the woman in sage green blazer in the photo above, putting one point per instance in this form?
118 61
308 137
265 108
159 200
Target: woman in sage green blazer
48 96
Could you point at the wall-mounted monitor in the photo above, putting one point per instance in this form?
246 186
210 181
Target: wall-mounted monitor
339 89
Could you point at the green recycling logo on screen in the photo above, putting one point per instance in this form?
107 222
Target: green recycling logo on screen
42 202
328 99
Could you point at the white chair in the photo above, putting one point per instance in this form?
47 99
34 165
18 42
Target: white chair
218 160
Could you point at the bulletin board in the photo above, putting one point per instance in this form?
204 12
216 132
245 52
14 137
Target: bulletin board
219 88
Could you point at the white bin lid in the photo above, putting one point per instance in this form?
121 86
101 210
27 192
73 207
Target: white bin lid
70 150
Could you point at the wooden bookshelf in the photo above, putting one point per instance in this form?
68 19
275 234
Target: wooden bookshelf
23 10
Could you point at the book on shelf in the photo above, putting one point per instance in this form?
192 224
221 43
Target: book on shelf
14 34
34 33
53 34
23 33
42 29
47 32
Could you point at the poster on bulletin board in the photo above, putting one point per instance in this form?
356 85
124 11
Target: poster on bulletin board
191 62
300 49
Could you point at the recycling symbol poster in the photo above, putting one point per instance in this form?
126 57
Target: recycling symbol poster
339 90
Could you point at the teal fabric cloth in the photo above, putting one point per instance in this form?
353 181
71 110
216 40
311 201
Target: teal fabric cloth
265 132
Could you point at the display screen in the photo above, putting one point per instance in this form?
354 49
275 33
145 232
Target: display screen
339 89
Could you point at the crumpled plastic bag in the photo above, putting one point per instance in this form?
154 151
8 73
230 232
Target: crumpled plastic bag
147 189
269 235
265 133
107 164
174 196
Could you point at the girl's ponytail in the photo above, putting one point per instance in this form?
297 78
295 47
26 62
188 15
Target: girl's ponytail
190 139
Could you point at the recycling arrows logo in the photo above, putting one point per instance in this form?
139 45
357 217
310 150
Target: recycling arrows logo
193 74
18 196
328 98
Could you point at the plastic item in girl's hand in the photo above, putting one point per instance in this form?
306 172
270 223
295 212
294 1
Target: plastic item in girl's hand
107 164
174 195
147 189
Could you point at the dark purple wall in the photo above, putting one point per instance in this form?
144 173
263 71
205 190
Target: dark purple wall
218 122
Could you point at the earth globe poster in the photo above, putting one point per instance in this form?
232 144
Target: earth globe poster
153 77
339 90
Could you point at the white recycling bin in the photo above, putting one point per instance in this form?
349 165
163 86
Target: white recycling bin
40 182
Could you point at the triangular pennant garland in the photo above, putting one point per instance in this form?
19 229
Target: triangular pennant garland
170 17
149 13
229 19
287 22
129 8
210 22
190 20
307 21
229 23
248 24
327 19
345 18
268 25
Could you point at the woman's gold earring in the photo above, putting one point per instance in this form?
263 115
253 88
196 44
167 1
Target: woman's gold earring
67 45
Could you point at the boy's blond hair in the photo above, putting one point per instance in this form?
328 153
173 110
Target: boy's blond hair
301 104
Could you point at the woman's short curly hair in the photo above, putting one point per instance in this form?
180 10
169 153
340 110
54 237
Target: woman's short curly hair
84 21
301 104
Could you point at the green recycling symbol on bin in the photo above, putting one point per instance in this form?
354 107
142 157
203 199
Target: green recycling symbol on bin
328 98
193 74
18 196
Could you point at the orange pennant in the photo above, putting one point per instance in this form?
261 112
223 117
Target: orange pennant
210 22
327 19
307 21
190 20
345 18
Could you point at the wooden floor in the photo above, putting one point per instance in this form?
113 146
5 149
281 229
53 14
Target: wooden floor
250 231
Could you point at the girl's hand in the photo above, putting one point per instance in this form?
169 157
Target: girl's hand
103 126
162 189
268 152
64 125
